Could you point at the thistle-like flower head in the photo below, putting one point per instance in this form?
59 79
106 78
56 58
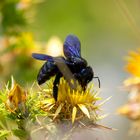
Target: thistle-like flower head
72 104
131 109
133 67
16 97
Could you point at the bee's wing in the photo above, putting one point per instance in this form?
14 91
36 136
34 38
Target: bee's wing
72 46
58 60
42 57
61 64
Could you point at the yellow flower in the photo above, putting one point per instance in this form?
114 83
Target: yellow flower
133 65
131 110
16 98
72 104
135 128
132 81
25 1
25 44
24 4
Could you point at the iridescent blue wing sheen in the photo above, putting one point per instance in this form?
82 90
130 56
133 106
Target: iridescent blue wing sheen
42 57
72 46
58 59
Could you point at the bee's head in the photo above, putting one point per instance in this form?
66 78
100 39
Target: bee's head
86 75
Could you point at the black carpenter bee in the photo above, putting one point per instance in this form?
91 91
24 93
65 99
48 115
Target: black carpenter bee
72 66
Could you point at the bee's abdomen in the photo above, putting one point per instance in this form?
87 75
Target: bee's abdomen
48 70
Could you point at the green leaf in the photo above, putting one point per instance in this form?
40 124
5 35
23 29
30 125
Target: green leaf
20 133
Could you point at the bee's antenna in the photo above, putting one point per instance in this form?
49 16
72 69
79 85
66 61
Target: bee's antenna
98 81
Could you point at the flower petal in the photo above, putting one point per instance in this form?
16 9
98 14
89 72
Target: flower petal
12 82
102 117
105 101
58 110
74 111
84 110
48 101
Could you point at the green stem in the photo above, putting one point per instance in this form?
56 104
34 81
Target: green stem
22 126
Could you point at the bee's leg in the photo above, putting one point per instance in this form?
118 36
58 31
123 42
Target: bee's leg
78 76
98 81
84 88
55 85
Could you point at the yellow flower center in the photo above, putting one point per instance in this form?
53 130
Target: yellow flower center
72 104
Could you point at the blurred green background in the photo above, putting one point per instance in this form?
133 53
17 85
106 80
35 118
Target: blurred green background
108 29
